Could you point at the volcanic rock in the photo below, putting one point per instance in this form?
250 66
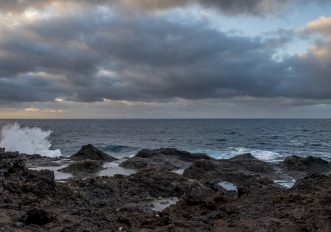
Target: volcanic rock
168 158
85 166
307 164
31 201
245 171
92 153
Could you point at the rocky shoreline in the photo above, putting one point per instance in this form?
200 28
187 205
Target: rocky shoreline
162 190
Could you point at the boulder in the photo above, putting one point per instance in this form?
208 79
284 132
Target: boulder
167 158
183 155
85 166
249 162
245 171
307 164
89 152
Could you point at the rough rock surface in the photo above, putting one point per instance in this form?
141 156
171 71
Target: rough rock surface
308 164
85 166
168 158
32 201
91 153
245 171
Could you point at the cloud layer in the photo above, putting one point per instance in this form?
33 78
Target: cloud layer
102 55
255 7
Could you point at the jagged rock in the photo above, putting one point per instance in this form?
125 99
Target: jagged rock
183 155
92 153
307 164
85 166
31 201
249 162
168 158
244 170
17 181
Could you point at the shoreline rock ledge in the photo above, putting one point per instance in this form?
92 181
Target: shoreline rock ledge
210 195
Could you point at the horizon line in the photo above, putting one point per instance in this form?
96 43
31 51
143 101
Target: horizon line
258 118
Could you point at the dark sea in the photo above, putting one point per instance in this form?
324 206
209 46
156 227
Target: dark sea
268 140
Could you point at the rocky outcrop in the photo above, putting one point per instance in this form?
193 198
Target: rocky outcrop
306 164
32 201
89 152
245 171
85 166
168 158
16 181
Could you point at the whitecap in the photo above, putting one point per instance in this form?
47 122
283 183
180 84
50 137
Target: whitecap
230 152
27 140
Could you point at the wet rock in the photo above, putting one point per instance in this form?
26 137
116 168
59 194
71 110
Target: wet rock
24 185
168 158
204 201
85 166
38 217
250 163
183 155
91 153
245 171
9 155
308 164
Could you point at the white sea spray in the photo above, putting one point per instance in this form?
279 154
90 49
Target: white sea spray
27 140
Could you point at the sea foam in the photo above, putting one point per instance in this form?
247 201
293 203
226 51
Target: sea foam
27 140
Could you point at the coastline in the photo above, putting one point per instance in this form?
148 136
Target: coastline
162 190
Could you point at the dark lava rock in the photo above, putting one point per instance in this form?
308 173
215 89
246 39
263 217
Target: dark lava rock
85 166
184 155
31 201
91 153
38 217
9 155
308 164
21 181
245 171
21 185
168 158
250 163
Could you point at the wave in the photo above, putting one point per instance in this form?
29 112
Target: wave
268 156
116 148
27 140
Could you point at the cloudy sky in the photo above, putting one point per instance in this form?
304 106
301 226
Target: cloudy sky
165 59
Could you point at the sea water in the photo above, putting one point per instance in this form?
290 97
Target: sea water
269 140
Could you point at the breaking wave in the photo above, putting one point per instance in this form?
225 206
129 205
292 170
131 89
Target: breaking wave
118 148
268 156
27 140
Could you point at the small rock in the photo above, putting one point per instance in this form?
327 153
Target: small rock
92 153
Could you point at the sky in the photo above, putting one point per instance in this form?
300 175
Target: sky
165 59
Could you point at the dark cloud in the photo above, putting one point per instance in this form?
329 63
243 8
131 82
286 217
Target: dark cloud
256 7
90 58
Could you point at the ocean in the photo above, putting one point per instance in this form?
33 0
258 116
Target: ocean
269 140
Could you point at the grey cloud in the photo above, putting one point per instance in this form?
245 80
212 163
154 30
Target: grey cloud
255 7
151 59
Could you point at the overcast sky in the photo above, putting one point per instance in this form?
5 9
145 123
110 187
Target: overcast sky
165 59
